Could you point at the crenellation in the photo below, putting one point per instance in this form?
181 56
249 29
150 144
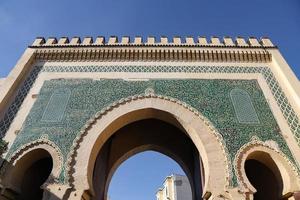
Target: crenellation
138 40
100 40
228 41
253 42
202 40
38 41
113 40
266 42
125 40
176 40
189 40
215 41
240 41
87 41
63 40
164 40
151 40
51 41
75 41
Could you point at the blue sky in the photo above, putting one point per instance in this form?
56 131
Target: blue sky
22 21
139 177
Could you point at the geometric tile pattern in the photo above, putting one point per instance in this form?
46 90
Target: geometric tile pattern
229 133
281 99
14 107
210 97
283 103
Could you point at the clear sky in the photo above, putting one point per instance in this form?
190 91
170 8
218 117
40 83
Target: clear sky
139 177
23 20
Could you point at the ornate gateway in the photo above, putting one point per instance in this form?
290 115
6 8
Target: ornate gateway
227 111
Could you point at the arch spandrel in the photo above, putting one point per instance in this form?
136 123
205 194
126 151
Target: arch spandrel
200 130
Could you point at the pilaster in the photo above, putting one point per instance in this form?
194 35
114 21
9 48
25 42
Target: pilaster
55 191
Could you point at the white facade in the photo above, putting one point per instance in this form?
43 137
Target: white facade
175 187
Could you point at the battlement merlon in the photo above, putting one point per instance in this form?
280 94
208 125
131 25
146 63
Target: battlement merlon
238 42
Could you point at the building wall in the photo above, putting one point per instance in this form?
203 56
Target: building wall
175 187
57 89
182 188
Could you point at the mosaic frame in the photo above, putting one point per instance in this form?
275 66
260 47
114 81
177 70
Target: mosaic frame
282 101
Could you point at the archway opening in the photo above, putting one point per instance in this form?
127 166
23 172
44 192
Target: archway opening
168 138
30 173
34 178
265 178
149 175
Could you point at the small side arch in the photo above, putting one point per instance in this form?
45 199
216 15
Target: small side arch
268 154
26 156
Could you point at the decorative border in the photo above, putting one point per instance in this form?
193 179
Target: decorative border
138 54
12 110
42 140
83 132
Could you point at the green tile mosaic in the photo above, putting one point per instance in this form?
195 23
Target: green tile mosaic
210 97
13 108
274 86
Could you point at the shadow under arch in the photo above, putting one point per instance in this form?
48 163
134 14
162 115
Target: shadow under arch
41 160
28 175
99 129
143 135
279 172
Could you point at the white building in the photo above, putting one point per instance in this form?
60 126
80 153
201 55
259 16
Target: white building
175 187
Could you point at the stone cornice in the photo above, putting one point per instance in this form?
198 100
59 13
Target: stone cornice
152 54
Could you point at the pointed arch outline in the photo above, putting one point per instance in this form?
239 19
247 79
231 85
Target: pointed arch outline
42 143
170 105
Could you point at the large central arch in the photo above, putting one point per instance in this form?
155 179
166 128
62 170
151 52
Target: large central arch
97 132
143 135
